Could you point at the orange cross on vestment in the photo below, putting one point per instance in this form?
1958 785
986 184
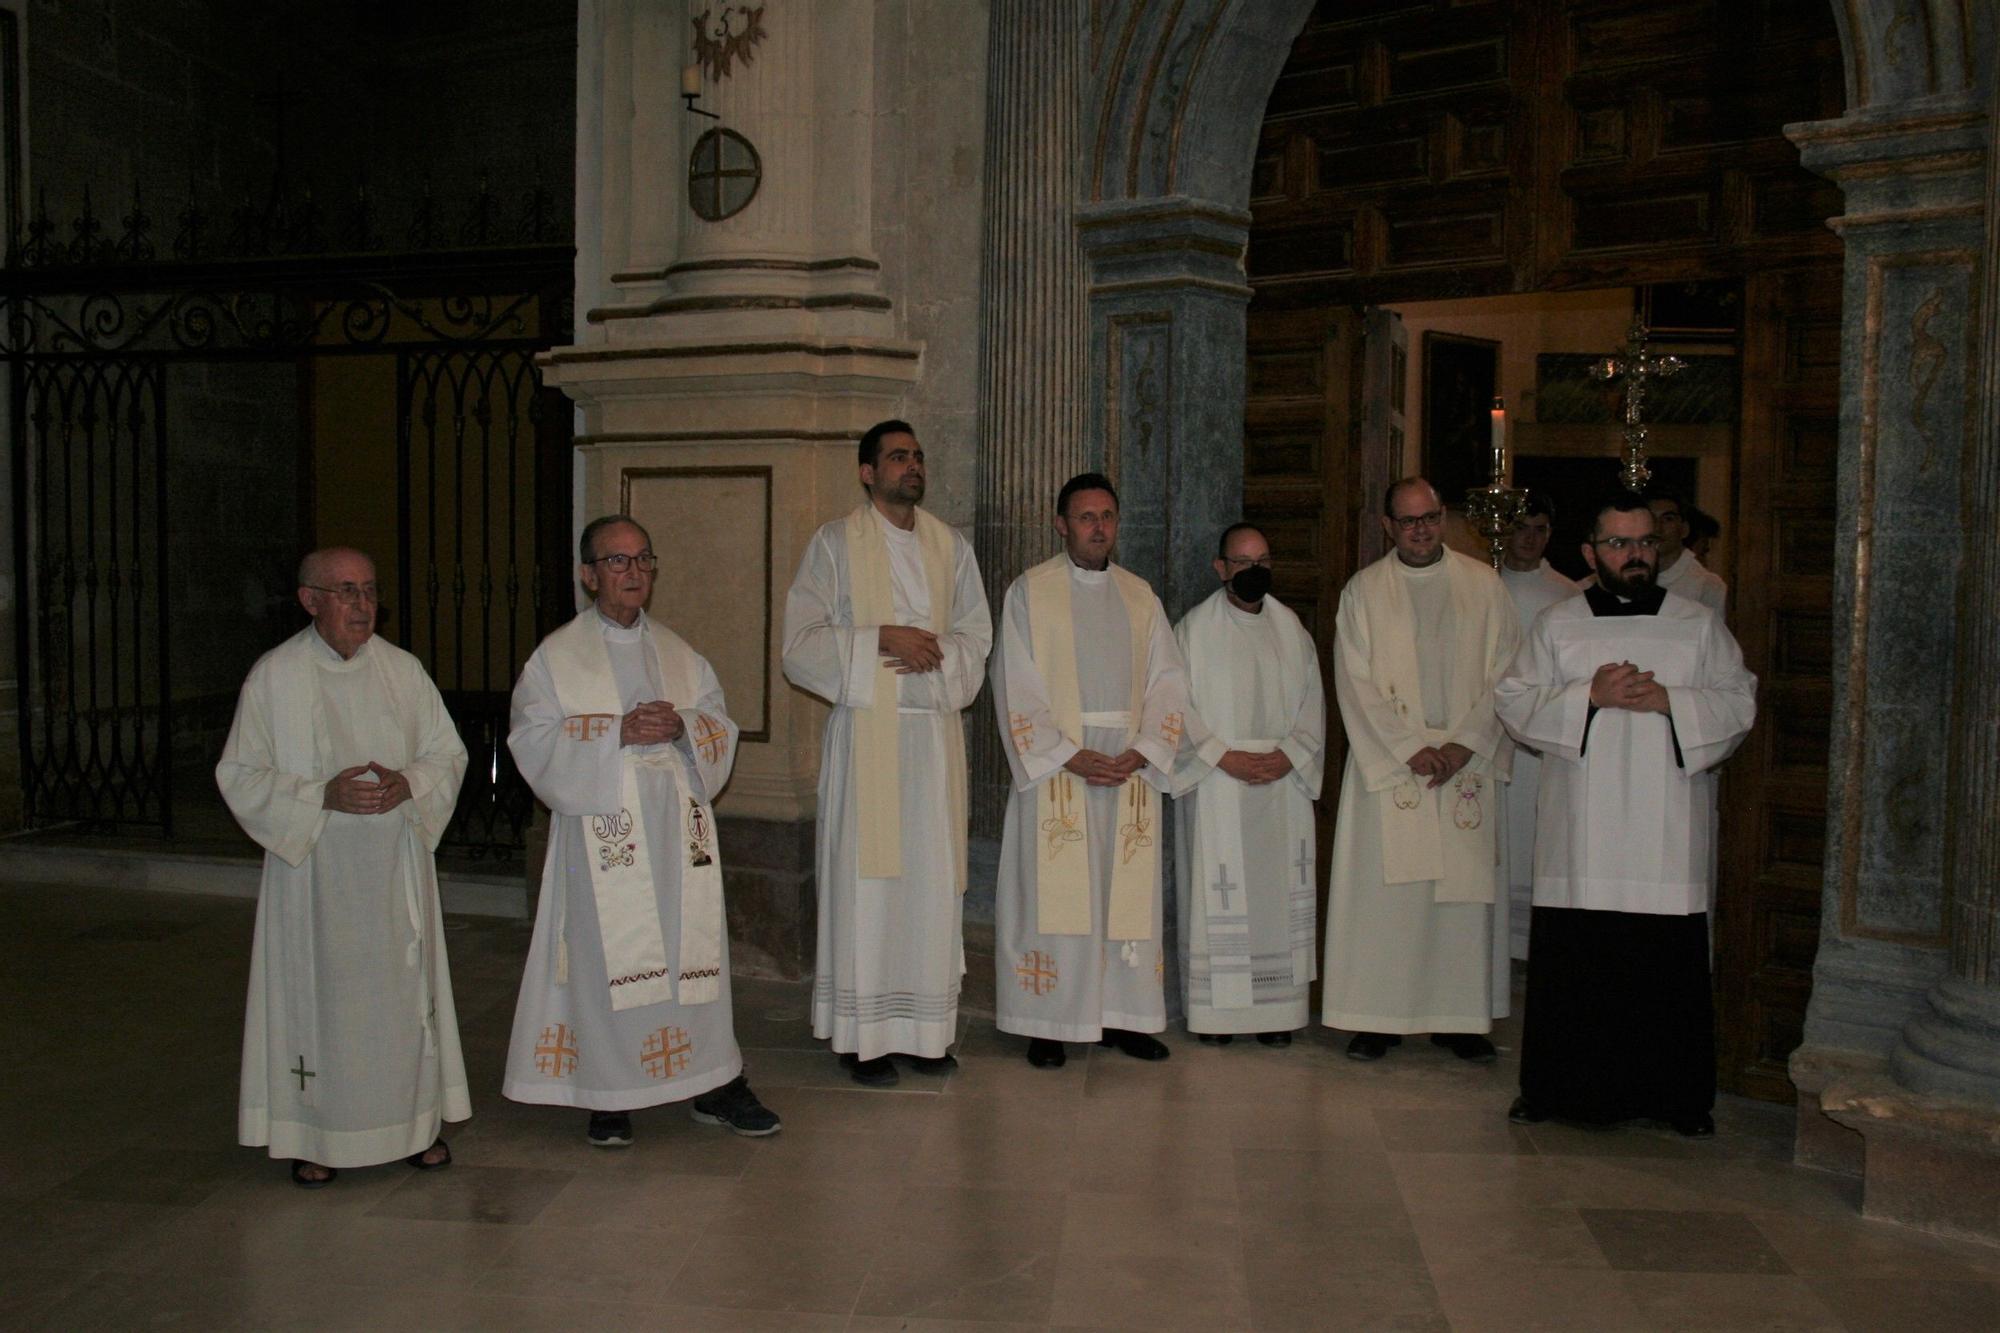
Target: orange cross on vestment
709 737
555 1053
1022 728
665 1052
1171 727
1037 972
586 726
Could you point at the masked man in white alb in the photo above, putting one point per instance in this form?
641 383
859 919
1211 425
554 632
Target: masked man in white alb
1244 825
344 766
620 729
1534 586
1633 694
1416 919
887 621
1092 700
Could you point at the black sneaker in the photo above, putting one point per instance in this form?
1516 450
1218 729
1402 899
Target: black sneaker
610 1129
1466 1046
877 1073
735 1106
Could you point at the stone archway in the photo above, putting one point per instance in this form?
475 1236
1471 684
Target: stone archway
1149 163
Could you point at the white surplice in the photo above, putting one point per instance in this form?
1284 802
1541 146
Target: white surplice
569 1046
1533 590
890 956
1695 581
1627 805
1072 987
1247 955
1416 933
350 1041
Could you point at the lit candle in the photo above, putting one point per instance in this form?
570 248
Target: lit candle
1499 439
690 80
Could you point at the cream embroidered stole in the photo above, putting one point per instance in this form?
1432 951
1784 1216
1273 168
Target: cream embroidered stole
621 869
1062 861
875 763
1443 836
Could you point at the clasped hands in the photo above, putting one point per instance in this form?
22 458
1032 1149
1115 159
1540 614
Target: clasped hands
653 723
909 650
1255 769
1623 685
1440 763
1101 770
365 789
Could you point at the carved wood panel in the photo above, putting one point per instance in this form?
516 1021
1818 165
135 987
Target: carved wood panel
1774 790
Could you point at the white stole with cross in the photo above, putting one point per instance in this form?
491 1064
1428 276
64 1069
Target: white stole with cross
1062 857
875 763
621 869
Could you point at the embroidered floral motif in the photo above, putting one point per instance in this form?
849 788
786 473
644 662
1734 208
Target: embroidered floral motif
1469 813
611 833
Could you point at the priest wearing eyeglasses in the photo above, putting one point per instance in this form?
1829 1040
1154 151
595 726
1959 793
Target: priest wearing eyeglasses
1416 922
1633 694
343 764
620 728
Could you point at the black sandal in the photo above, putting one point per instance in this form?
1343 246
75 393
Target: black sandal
306 1182
417 1159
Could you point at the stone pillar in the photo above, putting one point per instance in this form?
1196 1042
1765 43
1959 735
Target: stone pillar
725 368
1902 1041
1032 373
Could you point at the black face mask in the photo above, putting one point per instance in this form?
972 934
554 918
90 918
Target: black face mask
1251 583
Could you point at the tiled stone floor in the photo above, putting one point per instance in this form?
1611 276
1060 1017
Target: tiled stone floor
1227 1188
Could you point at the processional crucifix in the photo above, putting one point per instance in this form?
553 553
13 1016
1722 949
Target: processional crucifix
1635 367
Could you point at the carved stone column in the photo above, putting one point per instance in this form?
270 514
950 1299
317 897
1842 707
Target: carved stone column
1033 371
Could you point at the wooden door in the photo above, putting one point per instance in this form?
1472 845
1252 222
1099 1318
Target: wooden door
1781 609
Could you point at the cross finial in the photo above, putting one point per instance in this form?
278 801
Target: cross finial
1633 369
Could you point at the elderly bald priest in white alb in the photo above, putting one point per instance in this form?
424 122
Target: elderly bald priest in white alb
620 728
1416 924
1092 699
343 764
887 621
1243 825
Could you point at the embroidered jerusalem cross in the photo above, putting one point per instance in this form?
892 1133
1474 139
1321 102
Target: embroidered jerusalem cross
1037 972
1022 728
709 737
1171 727
665 1052
555 1053
586 726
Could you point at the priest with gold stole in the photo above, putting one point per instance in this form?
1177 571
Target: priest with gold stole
1416 918
887 621
1633 694
620 728
1092 701
344 765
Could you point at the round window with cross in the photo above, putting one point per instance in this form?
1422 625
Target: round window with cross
723 175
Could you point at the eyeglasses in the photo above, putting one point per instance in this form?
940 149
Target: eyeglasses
1243 561
618 564
1408 521
1627 543
351 594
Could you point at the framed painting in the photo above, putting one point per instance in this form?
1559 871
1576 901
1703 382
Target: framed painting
1460 378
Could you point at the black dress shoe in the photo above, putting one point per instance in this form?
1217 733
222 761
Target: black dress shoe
1275 1038
1213 1038
1135 1044
1371 1045
1694 1126
1046 1053
877 1073
1467 1046
1525 1112
932 1064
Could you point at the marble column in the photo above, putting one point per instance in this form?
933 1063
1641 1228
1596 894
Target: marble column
1033 369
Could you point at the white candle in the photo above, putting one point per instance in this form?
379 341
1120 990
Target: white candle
690 80
1500 440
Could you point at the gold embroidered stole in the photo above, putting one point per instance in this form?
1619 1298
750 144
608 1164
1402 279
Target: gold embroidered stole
1062 860
875 762
615 845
